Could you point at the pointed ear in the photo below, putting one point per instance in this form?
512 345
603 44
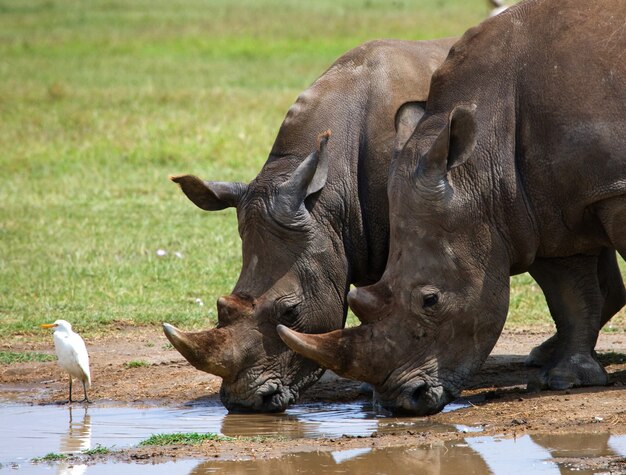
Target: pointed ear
210 195
308 178
407 117
454 144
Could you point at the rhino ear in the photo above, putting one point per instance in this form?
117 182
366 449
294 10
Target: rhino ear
210 195
407 117
454 144
308 178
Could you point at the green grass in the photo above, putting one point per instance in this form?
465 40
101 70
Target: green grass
97 450
136 364
100 101
9 357
50 457
184 438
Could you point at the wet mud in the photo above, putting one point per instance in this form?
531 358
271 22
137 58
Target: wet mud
334 429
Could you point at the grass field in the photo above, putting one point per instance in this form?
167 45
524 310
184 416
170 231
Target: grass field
100 101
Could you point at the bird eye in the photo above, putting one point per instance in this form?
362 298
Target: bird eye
430 300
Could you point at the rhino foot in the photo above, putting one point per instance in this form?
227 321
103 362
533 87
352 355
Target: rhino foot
542 354
573 371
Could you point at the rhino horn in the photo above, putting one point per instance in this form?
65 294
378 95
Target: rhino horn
338 350
366 304
232 307
205 350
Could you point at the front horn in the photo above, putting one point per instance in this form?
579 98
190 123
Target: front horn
342 351
207 350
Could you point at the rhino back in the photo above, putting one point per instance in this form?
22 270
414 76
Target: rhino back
549 84
357 99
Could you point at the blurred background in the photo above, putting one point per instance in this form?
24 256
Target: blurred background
101 100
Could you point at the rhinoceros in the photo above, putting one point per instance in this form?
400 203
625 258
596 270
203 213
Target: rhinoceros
312 222
519 163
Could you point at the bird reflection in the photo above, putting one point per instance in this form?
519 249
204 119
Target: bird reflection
78 437
65 468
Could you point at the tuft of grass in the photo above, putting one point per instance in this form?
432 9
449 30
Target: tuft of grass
50 457
9 357
185 438
97 450
136 364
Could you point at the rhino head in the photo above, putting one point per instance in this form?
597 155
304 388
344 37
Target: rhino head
293 269
437 311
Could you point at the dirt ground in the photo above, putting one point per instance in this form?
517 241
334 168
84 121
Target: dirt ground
499 401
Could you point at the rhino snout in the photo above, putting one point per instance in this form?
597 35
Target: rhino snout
419 398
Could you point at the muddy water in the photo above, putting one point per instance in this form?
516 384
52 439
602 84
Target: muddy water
474 455
30 431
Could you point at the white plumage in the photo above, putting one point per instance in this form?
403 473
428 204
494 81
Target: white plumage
71 353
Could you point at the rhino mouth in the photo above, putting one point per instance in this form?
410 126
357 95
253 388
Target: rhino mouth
270 396
417 398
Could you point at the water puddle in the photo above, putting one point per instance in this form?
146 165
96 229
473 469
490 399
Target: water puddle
33 431
29 431
474 455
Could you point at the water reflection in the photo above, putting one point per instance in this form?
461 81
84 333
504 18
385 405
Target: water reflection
33 431
65 468
474 455
435 460
325 420
78 436
77 439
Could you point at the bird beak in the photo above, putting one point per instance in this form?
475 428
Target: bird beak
47 325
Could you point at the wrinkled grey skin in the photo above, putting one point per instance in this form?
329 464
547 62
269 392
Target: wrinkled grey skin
311 224
519 163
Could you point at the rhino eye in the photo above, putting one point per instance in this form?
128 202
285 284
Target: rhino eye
430 300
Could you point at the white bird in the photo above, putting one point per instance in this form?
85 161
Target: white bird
71 353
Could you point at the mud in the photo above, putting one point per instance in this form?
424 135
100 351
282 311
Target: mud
498 404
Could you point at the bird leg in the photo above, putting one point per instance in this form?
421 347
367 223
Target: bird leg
70 400
85 399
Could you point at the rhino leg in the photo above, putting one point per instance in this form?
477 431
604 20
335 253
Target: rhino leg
582 292
614 295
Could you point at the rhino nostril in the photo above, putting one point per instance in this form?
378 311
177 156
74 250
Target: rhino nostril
267 399
420 392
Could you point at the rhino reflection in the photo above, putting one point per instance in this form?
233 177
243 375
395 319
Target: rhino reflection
540 452
474 455
438 460
576 445
252 425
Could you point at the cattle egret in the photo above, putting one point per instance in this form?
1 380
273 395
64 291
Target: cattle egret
71 353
